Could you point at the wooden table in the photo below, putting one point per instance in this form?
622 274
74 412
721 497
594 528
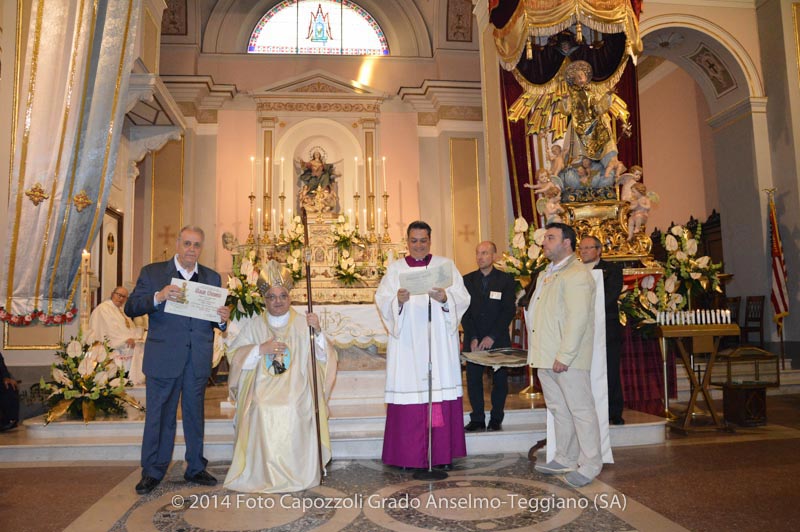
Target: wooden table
704 339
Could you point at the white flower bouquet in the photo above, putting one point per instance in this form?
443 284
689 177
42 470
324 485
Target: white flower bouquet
86 379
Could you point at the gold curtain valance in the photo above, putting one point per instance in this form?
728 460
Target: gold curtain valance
542 18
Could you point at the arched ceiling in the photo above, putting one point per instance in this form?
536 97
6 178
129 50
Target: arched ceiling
231 22
715 61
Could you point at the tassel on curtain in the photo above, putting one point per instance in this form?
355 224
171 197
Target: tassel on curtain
78 60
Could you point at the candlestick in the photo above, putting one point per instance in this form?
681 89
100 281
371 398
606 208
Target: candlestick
266 201
356 197
386 238
355 172
252 175
85 295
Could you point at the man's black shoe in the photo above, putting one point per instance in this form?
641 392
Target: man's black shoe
444 467
494 425
617 421
8 426
146 485
203 478
474 426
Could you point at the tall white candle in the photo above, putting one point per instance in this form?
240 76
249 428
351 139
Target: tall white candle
365 219
283 183
274 225
252 175
378 223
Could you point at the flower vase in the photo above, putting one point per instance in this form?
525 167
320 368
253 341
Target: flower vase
89 411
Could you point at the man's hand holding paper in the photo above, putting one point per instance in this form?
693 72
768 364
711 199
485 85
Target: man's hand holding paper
197 300
423 281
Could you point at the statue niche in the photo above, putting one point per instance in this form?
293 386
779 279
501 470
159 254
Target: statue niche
317 187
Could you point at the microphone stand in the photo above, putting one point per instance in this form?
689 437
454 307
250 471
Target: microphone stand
430 473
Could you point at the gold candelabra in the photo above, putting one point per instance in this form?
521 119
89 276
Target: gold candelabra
371 217
265 239
356 197
250 237
386 217
282 199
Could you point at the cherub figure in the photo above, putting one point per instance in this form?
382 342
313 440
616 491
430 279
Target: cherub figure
229 241
627 180
556 158
614 167
584 179
639 209
550 206
544 183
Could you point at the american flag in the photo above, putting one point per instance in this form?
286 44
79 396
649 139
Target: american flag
780 296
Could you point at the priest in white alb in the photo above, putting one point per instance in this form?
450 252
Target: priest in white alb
406 316
275 445
108 321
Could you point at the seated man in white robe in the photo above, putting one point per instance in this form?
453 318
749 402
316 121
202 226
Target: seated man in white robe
275 446
108 321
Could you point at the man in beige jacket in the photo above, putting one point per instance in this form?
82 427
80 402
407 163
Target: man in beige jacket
560 320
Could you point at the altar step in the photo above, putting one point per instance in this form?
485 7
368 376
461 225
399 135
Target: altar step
356 433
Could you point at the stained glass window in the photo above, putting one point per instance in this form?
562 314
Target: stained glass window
328 27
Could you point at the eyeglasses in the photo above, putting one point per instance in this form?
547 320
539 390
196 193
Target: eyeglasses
282 297
583 248
121 296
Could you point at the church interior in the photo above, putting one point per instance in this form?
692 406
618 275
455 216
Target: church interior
313 133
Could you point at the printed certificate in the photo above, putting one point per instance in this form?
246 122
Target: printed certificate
198 300
422 280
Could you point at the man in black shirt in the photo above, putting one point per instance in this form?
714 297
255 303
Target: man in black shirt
486 325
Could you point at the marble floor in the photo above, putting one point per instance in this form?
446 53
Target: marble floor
703 481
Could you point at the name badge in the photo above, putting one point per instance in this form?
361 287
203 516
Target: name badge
495 295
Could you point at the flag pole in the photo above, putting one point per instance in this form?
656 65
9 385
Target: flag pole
779 292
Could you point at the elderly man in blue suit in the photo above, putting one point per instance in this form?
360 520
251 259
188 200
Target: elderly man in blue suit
177 362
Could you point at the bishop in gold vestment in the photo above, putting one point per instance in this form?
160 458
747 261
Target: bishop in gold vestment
275 447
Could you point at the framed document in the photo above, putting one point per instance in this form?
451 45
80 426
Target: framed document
198 300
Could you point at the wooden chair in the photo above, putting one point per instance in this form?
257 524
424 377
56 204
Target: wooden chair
733 304
753 319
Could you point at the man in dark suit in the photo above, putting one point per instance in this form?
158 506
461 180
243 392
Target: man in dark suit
590 250
177 362
485 324
9 398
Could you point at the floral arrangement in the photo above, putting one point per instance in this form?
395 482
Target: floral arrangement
685 276
243 294
295 233
43 317
524 257
294 261
346 270
86 379
344 235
